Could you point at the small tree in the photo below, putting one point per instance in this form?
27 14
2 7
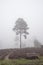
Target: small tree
21 28
37 44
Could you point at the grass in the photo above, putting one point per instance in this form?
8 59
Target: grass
22 62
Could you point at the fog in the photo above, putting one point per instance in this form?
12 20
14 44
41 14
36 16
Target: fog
31 11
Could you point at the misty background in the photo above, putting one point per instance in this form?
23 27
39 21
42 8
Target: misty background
31 11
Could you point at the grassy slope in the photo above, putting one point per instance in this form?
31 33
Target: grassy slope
22 62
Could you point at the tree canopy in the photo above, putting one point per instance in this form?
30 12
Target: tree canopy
21 26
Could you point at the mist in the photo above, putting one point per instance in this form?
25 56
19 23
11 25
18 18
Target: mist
31 11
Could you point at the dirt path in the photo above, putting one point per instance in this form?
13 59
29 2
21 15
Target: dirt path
7 56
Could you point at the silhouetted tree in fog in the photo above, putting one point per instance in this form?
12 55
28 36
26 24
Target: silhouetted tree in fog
21 28
37 44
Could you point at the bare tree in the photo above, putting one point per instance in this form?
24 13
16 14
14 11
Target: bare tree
21 28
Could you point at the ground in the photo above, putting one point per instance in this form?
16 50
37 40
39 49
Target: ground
22 62
5 60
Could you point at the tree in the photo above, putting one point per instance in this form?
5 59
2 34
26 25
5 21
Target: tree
37 44
21 28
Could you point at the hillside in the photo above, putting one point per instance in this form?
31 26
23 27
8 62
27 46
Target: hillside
16 53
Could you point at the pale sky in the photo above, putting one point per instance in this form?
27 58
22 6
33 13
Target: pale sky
30 10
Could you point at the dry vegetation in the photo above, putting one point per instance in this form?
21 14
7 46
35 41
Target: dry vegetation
21 56
20 53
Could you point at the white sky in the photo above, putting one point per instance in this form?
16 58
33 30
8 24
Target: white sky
30 10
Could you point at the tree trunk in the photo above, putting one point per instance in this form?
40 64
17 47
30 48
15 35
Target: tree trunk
20 40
